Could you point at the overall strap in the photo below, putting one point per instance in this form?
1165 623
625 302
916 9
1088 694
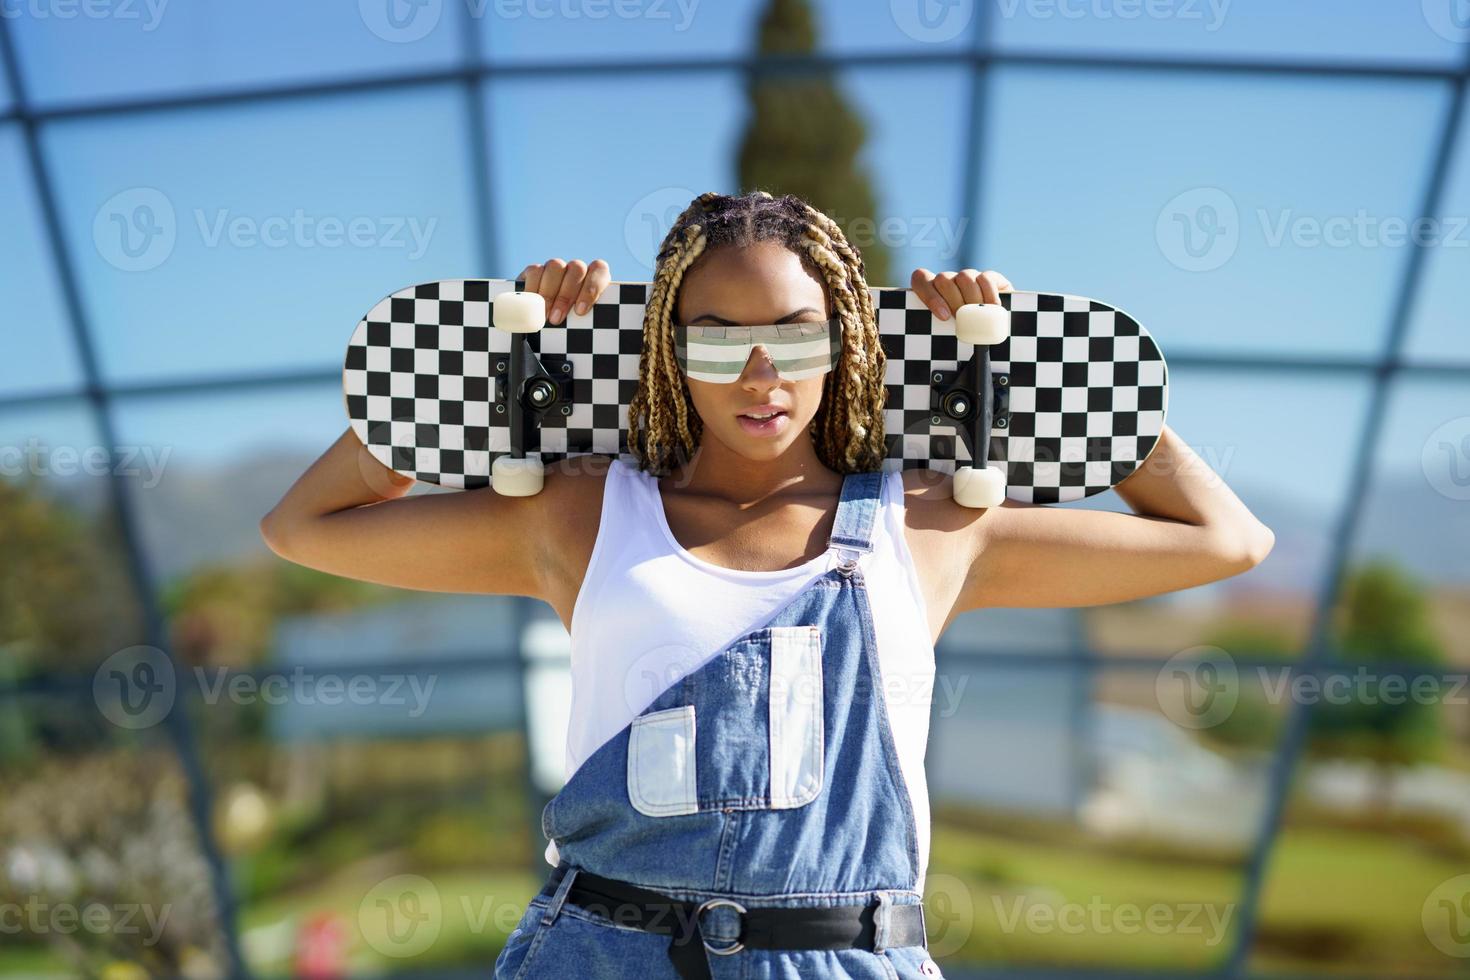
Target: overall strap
856 512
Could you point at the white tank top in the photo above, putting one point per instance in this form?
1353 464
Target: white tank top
650 612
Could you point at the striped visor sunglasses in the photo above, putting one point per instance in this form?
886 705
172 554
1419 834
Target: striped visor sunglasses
718 353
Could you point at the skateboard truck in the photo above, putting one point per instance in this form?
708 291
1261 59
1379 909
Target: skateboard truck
954 401
540 391
958 399
525 391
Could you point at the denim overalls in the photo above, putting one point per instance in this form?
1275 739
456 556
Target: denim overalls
767 775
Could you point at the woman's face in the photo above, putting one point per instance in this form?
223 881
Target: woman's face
763 283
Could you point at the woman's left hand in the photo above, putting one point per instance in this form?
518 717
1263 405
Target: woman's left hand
948 291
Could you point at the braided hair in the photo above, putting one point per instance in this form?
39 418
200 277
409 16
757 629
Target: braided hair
663 426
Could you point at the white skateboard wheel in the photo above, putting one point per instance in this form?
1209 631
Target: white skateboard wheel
975 323
979 488
519 312
511 477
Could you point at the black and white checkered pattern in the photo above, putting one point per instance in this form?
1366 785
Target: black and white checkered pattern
1087 386
1088 392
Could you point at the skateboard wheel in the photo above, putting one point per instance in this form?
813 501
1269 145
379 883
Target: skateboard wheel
982 325
979 488
512 477
519 312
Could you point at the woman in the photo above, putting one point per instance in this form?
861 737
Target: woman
753 608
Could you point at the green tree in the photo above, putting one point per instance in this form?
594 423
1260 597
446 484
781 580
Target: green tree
804 138
227 613
1383 618
1254 723
65 600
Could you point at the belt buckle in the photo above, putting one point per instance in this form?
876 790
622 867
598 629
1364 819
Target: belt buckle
723 950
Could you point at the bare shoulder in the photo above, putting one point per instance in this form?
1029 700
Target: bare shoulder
572 494
575 477
930 508
940 532
571 514
943 538
928 500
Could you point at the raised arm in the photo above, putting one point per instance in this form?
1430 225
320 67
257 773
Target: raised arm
1187 529
348 515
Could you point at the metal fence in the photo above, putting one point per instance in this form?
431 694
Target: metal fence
103 396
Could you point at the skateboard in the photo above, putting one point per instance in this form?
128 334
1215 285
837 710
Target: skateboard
461 383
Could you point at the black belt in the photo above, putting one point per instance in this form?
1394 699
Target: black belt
841 927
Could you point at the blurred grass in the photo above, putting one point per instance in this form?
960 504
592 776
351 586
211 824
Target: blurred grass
1352 900
1336 900
1001 870
478 910
33 963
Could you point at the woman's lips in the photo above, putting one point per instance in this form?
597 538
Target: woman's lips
770 427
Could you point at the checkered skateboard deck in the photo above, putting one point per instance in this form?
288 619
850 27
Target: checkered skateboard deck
1079 389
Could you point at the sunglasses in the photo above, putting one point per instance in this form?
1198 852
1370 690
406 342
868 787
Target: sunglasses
719 353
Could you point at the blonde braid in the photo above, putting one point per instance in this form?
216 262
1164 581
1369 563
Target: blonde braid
855 391
662 304
658 366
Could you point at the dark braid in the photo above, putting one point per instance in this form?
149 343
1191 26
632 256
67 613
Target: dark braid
664 428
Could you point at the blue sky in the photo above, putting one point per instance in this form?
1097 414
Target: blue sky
1089 182
158 46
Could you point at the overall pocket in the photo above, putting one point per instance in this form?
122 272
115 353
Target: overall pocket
661 763
795 710
760 739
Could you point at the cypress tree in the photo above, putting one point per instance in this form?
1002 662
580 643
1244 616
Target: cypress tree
803 137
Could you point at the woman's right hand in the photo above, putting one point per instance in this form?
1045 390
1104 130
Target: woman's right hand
563 284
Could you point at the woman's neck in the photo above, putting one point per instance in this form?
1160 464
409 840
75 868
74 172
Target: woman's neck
716 471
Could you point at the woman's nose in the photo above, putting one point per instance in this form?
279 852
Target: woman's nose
760 366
